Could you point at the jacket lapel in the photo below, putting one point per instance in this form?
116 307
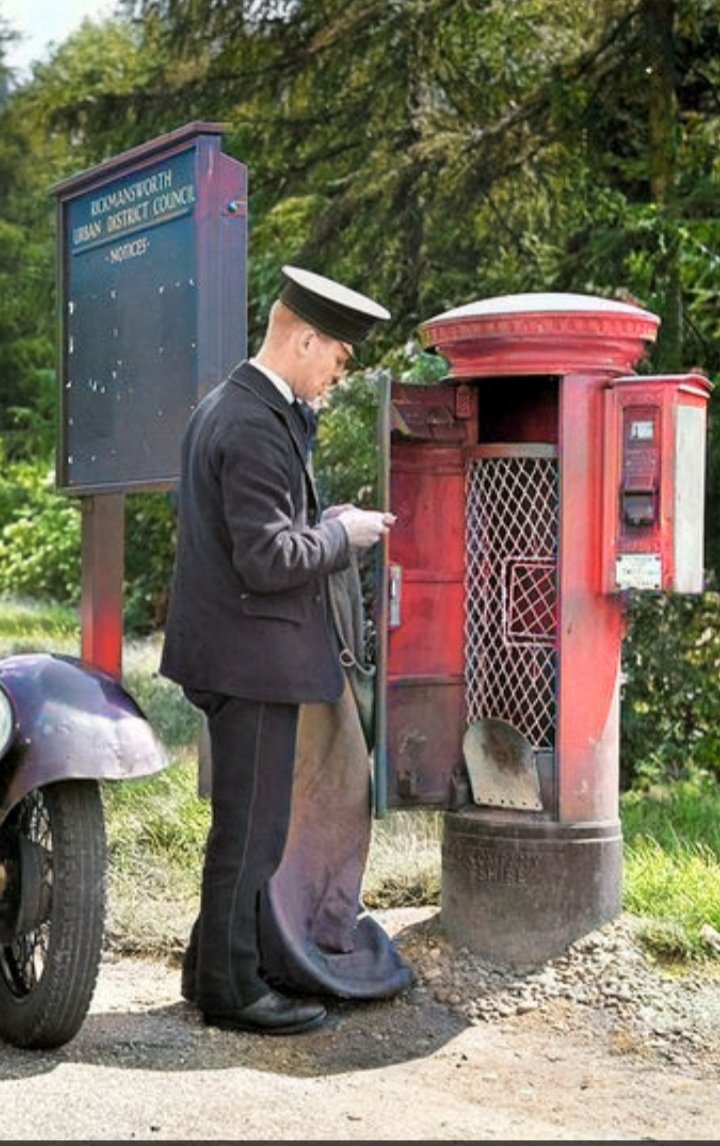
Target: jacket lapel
249 378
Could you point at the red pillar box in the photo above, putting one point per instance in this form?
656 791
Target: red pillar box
517 492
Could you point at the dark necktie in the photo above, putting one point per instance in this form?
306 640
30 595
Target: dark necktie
306 419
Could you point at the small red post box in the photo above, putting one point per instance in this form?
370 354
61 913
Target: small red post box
531 487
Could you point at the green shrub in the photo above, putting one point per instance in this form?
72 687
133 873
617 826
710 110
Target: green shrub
41 545
150 526
671 690
39 536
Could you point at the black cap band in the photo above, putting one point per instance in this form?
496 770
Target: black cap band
327 305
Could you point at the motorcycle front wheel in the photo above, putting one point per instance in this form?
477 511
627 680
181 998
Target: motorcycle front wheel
53 851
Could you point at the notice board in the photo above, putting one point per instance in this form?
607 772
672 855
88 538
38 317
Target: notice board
153 305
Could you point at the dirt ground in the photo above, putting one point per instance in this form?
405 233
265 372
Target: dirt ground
144 1067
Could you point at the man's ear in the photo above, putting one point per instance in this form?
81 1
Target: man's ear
307 337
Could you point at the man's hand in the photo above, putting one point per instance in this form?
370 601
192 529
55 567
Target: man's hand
364 527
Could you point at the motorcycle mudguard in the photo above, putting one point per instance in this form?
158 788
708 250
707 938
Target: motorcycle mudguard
73 722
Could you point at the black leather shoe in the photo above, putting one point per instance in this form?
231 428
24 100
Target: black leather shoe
271 1014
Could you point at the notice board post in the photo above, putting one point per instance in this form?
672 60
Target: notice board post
152 251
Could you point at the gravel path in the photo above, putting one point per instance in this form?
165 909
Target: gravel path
596 1045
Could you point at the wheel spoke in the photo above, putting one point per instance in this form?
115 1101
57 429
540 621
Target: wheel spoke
22 961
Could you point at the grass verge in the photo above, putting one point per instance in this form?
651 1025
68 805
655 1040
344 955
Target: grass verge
157 826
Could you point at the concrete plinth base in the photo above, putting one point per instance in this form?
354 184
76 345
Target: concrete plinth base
520 892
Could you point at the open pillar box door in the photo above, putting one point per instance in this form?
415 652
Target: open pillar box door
501 620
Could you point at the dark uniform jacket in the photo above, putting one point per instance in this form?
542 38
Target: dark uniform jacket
249 612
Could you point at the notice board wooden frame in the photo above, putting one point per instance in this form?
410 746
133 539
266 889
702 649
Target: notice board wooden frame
152 304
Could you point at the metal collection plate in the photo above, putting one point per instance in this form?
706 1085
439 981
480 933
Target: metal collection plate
501 765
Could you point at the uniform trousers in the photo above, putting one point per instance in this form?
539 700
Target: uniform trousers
252 753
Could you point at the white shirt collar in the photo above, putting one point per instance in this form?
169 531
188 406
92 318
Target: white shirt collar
276 380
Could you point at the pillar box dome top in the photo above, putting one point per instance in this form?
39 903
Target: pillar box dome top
540 334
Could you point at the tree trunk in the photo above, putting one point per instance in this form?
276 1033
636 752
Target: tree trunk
663 125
